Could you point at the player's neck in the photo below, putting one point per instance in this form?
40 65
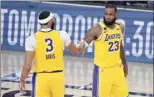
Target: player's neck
44 27
111 26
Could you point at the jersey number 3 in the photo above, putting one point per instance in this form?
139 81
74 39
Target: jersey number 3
111 46
50 45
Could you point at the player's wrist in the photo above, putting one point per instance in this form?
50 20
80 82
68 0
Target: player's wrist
81 44
22 79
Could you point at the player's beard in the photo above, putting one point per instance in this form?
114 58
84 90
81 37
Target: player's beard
109 23
53 26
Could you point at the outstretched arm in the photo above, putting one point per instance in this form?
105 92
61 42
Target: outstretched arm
72 48
93 33
67 42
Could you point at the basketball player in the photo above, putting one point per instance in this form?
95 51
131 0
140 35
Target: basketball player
109 73
46 48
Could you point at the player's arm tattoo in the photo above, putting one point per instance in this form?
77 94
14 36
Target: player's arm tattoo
92 34
27 65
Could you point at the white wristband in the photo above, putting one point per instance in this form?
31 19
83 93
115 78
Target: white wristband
82 44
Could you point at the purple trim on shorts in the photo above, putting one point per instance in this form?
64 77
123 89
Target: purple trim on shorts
95 81
33 84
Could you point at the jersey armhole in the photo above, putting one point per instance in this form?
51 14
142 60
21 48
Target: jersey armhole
99 38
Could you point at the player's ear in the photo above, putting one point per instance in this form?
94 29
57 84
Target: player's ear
50 22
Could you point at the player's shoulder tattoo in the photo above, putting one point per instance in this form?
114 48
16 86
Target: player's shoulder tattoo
96 30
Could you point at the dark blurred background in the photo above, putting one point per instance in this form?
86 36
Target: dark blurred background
126 4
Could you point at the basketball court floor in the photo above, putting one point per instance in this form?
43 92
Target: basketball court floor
78 76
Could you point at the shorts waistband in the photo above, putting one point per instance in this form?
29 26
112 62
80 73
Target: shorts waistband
56 71
109 66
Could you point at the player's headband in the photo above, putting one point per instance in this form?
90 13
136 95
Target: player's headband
45 20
